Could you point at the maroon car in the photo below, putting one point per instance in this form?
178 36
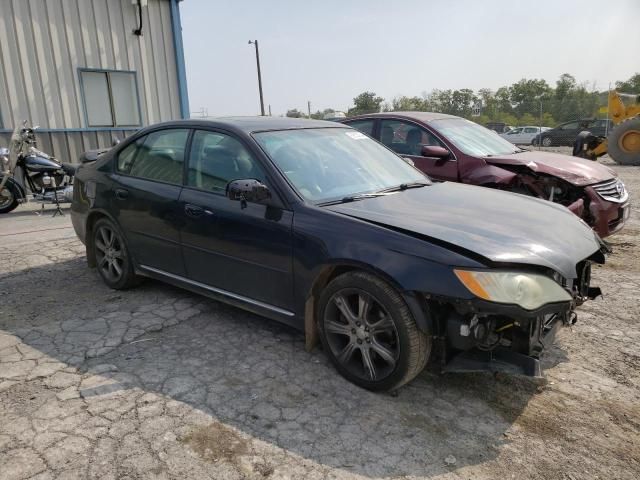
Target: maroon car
450 148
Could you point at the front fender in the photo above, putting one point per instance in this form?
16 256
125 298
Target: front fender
409 263
18 186
490 174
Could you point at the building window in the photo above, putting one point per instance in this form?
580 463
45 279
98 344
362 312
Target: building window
110 98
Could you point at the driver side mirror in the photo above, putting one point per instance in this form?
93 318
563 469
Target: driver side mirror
248 190
435 151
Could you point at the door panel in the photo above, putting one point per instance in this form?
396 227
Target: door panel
243 248
151 217
146 189
407 139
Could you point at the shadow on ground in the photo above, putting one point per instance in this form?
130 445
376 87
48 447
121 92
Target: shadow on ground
253 374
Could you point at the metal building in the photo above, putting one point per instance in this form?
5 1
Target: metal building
88 71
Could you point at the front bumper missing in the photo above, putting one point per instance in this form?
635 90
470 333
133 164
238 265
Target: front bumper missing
507 360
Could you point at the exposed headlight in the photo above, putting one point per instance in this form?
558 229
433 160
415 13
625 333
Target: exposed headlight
529 290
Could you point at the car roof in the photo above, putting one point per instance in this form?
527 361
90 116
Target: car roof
253 124
424 117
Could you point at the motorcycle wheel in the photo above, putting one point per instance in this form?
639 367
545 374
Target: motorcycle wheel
8 198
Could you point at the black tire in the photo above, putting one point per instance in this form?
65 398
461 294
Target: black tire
547 142
623 143
378 346
9 197
112 256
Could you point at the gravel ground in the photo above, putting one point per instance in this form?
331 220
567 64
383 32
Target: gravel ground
159 383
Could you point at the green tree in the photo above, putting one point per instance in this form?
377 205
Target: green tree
571 101
407 104
526 95
629 86
366 102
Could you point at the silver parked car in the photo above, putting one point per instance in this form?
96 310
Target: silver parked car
523 135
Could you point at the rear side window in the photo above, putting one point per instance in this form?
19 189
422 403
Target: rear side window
126 156
365 126
531 130
159 156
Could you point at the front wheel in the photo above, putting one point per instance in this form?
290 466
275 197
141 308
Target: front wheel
369 332
8 197
546 142
112 256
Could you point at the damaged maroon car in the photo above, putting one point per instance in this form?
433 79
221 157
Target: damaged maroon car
450 148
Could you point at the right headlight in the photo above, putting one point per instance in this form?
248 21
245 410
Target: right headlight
528 290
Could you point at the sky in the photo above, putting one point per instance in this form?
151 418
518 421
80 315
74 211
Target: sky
329 51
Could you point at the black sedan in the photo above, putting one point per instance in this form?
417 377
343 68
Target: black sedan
567 133
314 224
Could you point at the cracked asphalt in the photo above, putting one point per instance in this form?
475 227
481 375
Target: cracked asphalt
159 383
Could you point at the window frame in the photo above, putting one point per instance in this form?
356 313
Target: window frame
142 138
108 73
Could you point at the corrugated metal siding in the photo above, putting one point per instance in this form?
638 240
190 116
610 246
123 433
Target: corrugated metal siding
44 42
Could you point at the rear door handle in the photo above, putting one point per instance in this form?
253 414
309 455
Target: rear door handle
122 194
195 211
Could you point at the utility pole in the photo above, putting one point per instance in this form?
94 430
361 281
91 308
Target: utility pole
269 109
255 42
309 107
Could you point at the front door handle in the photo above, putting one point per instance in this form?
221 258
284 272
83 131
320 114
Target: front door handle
122 194
195 211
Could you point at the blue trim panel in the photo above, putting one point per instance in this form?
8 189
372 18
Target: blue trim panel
179 51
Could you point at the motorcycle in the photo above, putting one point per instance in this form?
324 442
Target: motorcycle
27 170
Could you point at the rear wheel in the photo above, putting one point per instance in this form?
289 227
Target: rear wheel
112 256
8 198
623 144
547 142
369 333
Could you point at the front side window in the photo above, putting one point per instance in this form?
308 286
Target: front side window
514 131
406 138
531 130
159 156
326 164
218 158
111 98
472 138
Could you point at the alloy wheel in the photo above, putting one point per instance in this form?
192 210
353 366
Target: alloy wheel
109 253
361 334
546 142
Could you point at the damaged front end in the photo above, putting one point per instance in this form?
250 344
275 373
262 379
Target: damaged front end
603 205
484 335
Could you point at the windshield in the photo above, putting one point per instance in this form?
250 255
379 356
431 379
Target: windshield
326 164
473 139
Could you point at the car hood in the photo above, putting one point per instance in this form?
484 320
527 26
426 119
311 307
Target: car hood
577 171
500 226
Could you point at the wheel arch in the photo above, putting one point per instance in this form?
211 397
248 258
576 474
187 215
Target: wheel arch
330 271
92 218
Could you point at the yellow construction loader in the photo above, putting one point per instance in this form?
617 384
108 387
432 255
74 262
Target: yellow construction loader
623 140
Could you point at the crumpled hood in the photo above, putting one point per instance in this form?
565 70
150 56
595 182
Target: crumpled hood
500 226
577 171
